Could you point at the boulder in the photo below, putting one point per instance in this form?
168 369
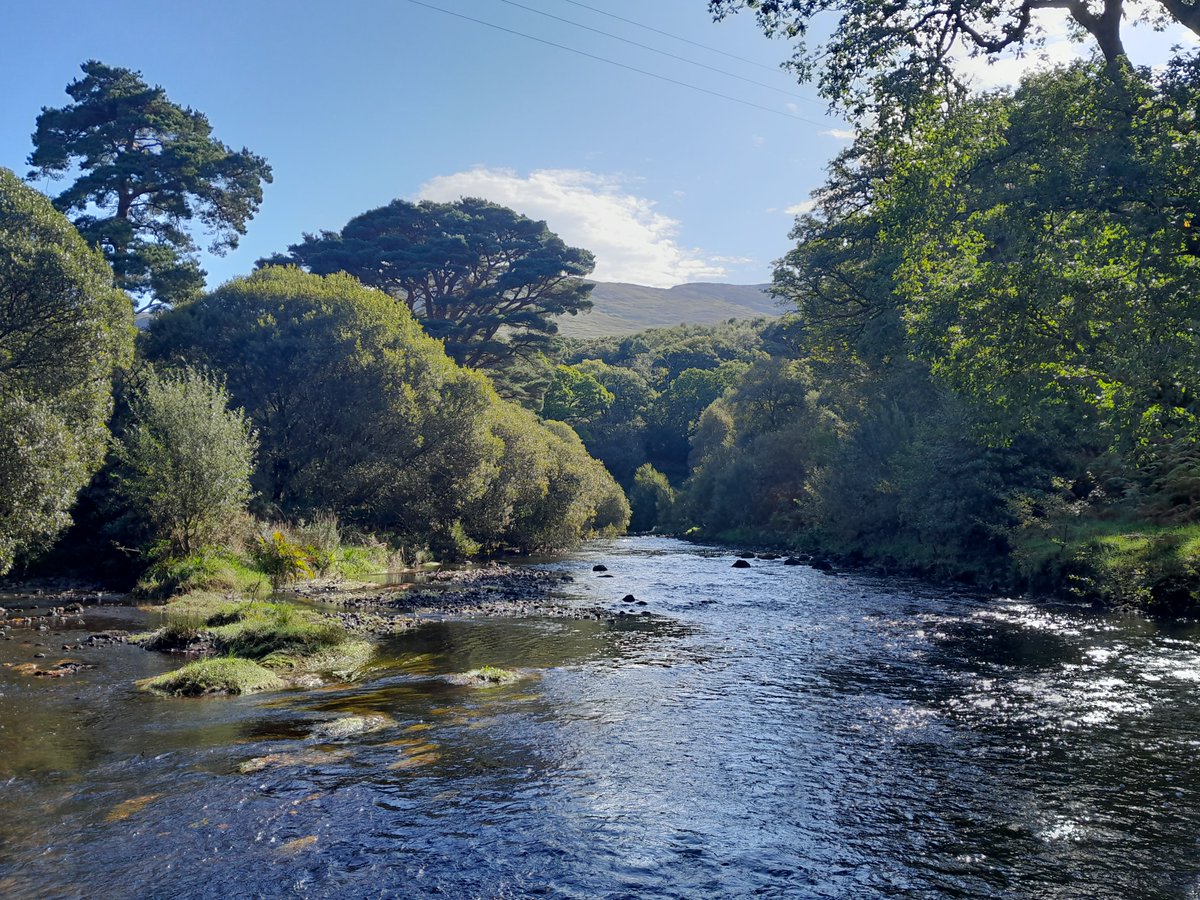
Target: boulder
599 568
741 564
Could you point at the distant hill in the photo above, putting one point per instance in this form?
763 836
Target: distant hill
627 308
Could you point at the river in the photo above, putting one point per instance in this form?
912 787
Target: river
773 732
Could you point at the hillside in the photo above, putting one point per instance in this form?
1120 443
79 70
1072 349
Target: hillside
628 308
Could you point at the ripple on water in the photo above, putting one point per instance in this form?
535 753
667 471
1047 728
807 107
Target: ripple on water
773 731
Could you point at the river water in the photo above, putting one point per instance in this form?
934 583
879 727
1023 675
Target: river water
771 732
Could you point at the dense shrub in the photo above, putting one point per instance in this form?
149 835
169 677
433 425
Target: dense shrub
64 328
185 459
361 413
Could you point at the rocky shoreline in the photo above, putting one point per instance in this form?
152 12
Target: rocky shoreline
493 590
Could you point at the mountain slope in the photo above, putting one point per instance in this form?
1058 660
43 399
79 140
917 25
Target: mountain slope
627 308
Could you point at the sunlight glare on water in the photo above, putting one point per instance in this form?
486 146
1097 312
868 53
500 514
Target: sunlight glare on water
775 731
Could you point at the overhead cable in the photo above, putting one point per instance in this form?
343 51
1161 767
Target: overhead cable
676 37
613 62
690 62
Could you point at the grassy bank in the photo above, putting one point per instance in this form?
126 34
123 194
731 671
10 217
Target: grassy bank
1117 562
217 607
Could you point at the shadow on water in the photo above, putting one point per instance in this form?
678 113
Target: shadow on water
769 731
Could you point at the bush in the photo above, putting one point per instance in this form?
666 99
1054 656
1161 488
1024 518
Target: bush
321 540
650 499
281 560
357 409
360 412
185 459
168 576
64 329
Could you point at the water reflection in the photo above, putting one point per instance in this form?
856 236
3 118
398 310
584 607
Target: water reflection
772 731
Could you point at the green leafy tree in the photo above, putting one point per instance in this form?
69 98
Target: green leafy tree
1058 280
575 397
650 499
185 459
904 49
678 409
546 492
480 277
64 329
357 410
147 168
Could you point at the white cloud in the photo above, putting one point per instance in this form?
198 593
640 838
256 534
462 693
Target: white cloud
842 134
799 209
632 242
1144 44
990 72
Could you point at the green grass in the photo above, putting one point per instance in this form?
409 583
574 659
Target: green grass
342 660
258 630
215 571
220 675
247 628
354 562
1121 562
226 572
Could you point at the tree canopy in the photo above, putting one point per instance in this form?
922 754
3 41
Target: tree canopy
901 49
359 411
64 329
147 168
480 277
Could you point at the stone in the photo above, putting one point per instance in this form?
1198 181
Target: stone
741 564
599 568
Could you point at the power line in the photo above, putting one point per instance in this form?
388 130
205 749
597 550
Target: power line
675 37
691 62
613 62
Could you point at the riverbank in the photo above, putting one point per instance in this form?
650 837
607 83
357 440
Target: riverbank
317 632
1115 564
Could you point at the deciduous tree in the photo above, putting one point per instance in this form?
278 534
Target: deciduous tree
64 329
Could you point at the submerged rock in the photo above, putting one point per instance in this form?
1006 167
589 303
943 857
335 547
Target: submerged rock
488 676
629 598
793 561
351 726
599 568
741 564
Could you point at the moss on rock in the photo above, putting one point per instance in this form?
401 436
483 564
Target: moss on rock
223 675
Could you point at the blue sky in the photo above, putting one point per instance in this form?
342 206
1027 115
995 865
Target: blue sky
357 103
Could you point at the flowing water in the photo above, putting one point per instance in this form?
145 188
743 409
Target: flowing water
774 732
